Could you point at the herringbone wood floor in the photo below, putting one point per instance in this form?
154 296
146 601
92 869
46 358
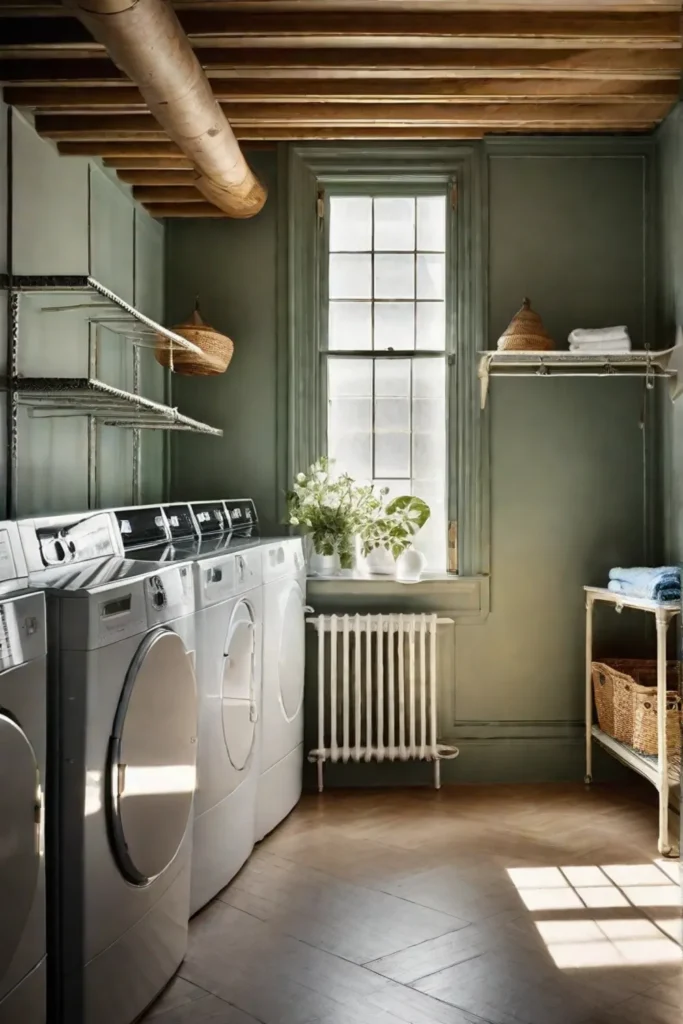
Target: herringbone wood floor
507 905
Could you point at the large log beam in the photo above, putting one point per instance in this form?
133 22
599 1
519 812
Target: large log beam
546 29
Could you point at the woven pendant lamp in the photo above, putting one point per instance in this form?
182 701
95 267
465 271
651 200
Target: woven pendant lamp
525 333
217 348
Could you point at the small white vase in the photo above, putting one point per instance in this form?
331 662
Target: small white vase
409 566
324 565
380 562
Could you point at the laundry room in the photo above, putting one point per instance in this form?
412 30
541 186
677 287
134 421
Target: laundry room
341 511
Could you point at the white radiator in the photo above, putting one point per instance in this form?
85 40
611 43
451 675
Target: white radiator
377 690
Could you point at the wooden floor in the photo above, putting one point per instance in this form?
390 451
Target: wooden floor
509 905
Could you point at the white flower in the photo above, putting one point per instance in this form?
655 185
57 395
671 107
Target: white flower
293 521
301 478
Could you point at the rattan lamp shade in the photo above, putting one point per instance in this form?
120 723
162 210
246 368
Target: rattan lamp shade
525 333
217 349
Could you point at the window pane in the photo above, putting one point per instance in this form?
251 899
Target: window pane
350 223
392 414
392 454
394 325
350 276
395 224
349 378
431 223
352 453
429 378
392 378
430 328
350 415
394 276
431 276
350 325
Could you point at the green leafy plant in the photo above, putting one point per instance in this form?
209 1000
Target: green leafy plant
395 525
332 509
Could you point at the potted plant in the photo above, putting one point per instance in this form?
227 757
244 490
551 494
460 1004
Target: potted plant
332 510
388 536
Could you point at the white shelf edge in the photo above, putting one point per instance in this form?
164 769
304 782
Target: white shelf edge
632 759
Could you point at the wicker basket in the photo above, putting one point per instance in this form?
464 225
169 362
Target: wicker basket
625 694
217 349
525 333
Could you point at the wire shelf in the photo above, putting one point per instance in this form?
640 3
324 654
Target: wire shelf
87 396
105 306
647 364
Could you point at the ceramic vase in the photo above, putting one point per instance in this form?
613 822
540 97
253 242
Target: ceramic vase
409 566
380 562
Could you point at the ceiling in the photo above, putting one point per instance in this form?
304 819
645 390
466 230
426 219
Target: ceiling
351 69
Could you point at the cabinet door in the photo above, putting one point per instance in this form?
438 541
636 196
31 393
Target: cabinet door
111 235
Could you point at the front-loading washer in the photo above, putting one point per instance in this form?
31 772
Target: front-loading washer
23 724
229 622
282 704
226 566
121 767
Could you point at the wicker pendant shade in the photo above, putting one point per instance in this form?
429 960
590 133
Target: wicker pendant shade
217 349
525 333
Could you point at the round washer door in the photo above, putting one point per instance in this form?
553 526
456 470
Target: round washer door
292 652
19 835
152 758
239 709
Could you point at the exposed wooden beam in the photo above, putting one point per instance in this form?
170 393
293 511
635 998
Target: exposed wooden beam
127 99
155 177
168 194
161 210
264 116
166 151
52 7
374 63
547 29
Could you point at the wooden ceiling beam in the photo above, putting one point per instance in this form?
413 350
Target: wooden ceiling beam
264 116
127 99
155 177
478 29
168 194
365 64
52 8
162 210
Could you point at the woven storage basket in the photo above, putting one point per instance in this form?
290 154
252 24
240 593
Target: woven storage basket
525 333
217 349
625 693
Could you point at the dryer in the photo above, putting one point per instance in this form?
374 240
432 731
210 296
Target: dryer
282 715
226 565
23 714
122 766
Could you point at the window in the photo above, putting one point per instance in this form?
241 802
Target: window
385 358
383 317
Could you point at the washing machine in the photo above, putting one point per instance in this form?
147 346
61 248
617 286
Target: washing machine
23 718
226 563
122 718
282 704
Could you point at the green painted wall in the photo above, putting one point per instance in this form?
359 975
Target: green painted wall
670 315
567 226
232 267
71 216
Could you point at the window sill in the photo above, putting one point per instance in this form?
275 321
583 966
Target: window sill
350 592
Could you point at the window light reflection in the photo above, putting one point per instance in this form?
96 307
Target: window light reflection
159 780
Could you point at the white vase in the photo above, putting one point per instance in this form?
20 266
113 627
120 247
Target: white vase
409 566
380 562
323 565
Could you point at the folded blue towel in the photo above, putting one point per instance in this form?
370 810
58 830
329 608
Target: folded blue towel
668 588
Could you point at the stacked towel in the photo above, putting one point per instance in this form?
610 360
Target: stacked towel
662 584
608 340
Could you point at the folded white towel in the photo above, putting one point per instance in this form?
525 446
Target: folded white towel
599 335
605 347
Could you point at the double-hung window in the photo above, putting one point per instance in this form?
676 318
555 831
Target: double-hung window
384 347
385 319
